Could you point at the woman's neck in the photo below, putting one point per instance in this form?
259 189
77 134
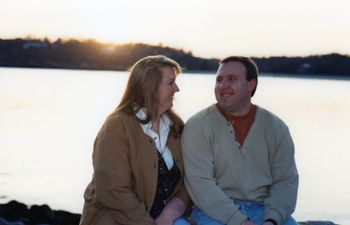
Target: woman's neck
155 124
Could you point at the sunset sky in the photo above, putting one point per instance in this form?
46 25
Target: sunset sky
207 28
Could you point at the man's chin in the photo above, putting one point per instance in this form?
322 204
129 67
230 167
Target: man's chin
224 105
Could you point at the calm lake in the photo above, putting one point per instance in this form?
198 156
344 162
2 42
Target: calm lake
49 119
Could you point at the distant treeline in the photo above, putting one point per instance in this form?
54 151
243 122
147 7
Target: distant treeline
331 64
90 54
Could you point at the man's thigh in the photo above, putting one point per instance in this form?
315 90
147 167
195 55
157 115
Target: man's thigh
202 219
255 213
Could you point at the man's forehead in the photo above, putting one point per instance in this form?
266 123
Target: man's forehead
231 68
226 74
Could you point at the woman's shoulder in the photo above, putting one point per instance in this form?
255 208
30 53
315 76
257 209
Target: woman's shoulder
120 116
119 119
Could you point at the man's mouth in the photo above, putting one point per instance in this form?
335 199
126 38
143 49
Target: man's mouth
225 95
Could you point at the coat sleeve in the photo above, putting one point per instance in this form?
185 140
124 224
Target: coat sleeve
199 175
281 201
112 171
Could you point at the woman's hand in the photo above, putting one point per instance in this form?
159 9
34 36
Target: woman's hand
174 209
162 220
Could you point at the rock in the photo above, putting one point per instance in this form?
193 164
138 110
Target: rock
66 218
317 223
13 211
16 213
41 214
5 222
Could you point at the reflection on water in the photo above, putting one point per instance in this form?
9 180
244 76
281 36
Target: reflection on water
49 119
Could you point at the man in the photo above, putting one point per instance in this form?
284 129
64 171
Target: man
239 158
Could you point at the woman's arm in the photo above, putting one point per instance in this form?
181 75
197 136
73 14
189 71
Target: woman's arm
112 172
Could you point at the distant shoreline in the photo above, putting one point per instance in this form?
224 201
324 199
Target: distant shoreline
92 55
308 76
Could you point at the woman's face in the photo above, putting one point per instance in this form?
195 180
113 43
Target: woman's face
167 89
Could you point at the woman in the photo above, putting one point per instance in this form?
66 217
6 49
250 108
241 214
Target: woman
138 168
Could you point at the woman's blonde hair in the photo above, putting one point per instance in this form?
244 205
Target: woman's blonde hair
142 87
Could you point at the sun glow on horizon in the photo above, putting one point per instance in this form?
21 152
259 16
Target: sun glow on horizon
208 29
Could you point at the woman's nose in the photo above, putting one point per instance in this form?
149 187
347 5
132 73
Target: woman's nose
176 88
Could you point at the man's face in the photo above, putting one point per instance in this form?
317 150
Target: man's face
232 90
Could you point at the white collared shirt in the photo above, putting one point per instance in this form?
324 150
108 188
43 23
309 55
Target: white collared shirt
159 139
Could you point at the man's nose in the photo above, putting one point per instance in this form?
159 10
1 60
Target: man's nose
223 84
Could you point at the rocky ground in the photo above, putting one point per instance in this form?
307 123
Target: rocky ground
17 213
317 223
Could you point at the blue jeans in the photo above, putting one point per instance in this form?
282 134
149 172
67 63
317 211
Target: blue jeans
181 221
254 211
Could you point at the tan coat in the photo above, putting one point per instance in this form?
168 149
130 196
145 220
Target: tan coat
124 183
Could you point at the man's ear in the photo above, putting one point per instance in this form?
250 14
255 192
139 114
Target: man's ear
251 85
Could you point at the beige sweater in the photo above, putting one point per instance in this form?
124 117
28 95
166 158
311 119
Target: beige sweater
218 169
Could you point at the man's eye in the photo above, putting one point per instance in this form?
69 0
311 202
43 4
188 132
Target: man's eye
232 78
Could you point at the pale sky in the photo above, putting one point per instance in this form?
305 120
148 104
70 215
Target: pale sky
215 28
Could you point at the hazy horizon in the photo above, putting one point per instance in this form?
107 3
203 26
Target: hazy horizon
209 29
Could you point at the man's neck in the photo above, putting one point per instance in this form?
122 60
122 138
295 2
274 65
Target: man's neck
241 112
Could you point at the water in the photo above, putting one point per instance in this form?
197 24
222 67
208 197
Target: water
49 119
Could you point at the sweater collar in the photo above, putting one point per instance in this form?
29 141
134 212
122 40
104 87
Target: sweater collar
230 117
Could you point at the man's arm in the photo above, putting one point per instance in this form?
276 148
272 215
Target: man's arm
199 175
283 191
